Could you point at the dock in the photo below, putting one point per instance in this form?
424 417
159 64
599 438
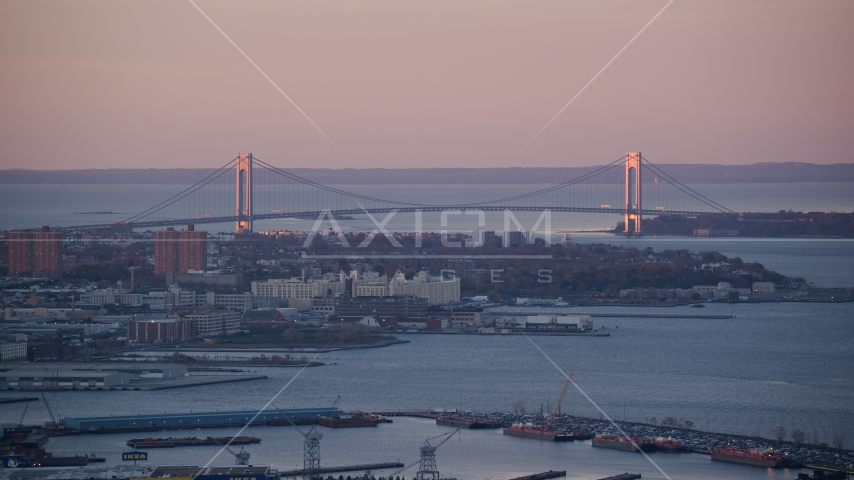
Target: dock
142 422
659 315
191 381
518 313
17 399
624 476
543 476
343 468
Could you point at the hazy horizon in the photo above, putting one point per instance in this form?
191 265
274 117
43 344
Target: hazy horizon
100 84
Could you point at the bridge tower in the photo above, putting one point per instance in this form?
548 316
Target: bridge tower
633 194
243 188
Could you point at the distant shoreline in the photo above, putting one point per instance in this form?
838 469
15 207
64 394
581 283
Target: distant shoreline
686 173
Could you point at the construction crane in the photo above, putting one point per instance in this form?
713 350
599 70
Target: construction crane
556 411
427 468
52 423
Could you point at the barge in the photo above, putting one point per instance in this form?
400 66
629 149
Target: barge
767 458
538 432
619 442
189 441
670 445
472 423
349 420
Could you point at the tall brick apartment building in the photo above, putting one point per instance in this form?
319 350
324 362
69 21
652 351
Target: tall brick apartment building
37 254
179 251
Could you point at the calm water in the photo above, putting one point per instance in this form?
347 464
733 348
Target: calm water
27 206
828 262
774 364
474 455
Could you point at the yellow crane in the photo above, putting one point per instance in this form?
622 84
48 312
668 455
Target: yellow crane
559 401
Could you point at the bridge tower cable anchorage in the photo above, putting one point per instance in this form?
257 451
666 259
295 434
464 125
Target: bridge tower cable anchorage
182 194
685 189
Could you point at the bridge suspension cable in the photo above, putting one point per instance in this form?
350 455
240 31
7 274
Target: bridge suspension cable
326 187
286 194
187 191
685 189
580 179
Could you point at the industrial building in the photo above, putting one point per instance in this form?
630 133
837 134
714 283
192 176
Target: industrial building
61 379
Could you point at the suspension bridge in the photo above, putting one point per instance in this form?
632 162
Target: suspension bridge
630 186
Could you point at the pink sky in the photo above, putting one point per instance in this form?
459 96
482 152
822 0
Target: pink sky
105 84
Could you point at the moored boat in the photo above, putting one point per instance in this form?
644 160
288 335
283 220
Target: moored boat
619 442
348 420
466 422
768 458
538 432
668 444
189 441
278 422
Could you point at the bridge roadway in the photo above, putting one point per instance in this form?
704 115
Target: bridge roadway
318 213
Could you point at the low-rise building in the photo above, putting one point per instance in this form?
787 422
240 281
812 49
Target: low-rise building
14 347
210 323
437 290
404 306
61 379
294 288
559 322
763 287
166 330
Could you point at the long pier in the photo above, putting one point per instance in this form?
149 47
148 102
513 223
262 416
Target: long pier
343 468
518 313
543 476
17 399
